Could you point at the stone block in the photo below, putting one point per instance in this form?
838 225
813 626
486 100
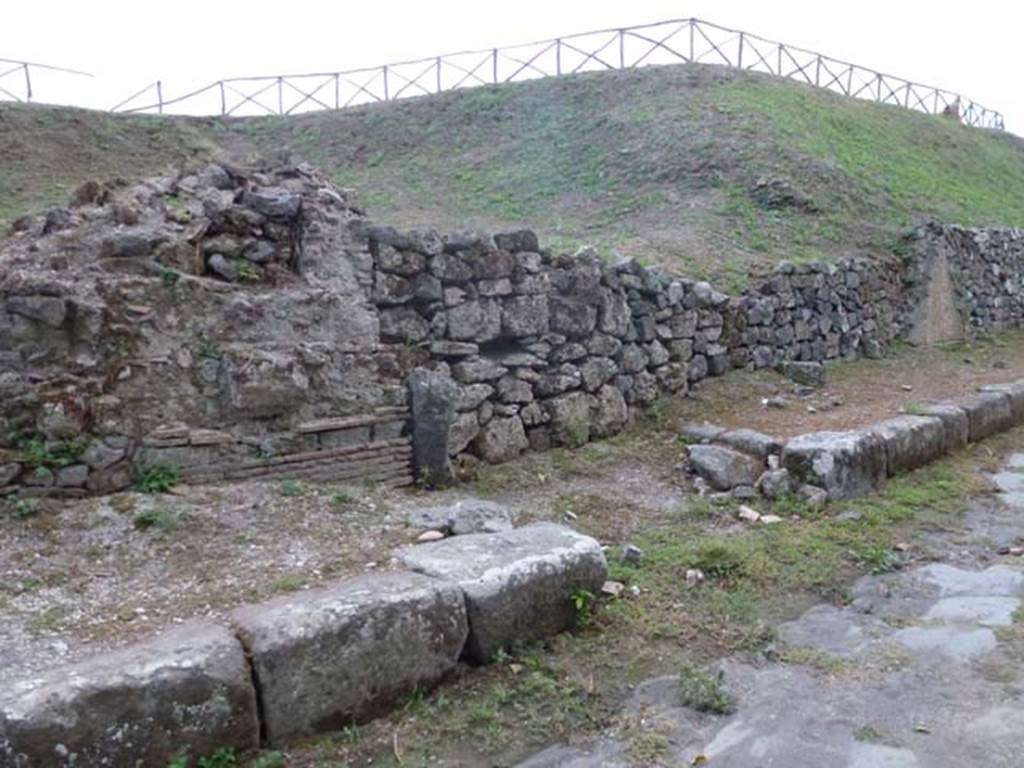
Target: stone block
518 240
700 431
501 439
609 413
723 467
524 316
434 398
463 517
750 441
808 374
845 464
329 657
462 432
955 425
187 690
9 473
477 369
475 321
775 483
570 418
518 585
988 413
910 441
1013 390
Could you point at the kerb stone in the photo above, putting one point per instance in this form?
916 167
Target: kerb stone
910 441
988 413
329 657
518 585
186 690
845 464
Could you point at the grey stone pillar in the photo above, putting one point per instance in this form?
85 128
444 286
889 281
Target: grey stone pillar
434 396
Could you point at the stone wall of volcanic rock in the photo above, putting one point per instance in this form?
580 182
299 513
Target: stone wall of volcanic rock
249 323
556 350
217 322
986 268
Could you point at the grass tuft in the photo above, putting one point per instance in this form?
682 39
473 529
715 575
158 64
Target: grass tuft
704 692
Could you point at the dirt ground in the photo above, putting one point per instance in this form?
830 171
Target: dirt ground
77 576
859 392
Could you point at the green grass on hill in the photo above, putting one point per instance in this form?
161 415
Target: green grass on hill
908 162
47 152
657 163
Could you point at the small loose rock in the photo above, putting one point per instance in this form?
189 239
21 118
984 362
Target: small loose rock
632 555
746 513
612 588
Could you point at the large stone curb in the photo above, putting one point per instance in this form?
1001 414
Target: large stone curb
910 441
326 658
988 413
518 585
955 425
1014 390
845 464
306 663
189 690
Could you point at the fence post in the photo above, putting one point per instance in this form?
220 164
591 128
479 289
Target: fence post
223 99
438 74
159 97
558 55
280 95
622 49
693 22
906 102
494 66
779 73
739 55
849 81
879 78
337 91
385 69
28 85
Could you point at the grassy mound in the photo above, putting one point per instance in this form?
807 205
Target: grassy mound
663 163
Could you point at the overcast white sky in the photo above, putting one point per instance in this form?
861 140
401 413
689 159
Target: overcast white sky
966 47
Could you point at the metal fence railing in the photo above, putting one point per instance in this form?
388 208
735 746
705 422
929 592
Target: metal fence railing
677 41
16 78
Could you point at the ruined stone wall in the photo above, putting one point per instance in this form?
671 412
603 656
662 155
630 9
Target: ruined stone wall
986 268
219 323
557 350
245 324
